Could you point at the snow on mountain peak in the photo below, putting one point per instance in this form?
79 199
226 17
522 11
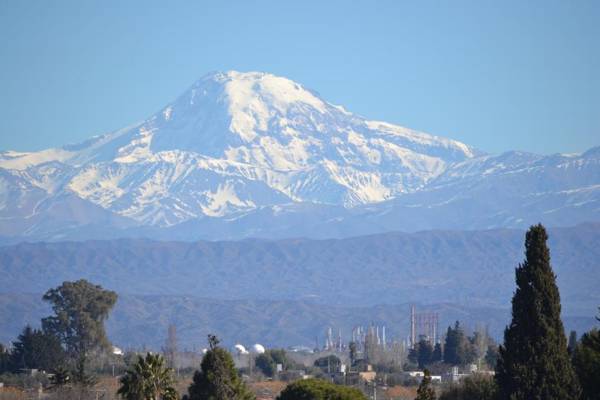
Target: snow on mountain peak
236 141
255 98
278 91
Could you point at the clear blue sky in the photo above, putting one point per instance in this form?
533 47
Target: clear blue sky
498 75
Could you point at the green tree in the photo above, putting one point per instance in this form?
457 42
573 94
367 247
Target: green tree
60 377
328 364
148 379
353 351
437 355
267 362
413 355
317 389
477 346
450 346
491 356
425 391
80 309
476 387
586 360
35 349
572 342
264 362
534 363
456 346
424 353
4 359
217 378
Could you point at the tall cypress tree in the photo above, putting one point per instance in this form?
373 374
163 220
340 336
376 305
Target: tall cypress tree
425 391
534 363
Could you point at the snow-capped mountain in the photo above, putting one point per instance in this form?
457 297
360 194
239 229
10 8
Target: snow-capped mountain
253 154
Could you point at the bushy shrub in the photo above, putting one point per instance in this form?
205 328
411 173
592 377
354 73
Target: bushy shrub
316 389
476 387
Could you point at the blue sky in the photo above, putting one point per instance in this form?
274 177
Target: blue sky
497 75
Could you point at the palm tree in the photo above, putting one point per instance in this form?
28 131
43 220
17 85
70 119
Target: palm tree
148 379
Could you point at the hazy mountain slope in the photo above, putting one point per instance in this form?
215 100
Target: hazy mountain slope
510 190
272 323
471 268
255 155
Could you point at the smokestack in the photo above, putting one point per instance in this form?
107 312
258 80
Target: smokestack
413 333
435 328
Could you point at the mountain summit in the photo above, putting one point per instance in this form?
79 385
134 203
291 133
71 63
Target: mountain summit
245 147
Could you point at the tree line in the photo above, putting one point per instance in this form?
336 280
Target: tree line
69 339
458 349
533 362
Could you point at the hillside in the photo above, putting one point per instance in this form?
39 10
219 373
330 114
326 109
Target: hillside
272 323
460 267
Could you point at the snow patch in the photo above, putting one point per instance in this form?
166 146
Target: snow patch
22 161
222 199
255 98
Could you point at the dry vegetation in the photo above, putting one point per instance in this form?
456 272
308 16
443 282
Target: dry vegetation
106 389
9 393
267 390
400 393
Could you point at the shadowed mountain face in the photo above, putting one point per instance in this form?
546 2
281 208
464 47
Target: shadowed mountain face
243 155
474 268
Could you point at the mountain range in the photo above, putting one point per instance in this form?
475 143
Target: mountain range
284 292
242 155
273 323
460 267
253 208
